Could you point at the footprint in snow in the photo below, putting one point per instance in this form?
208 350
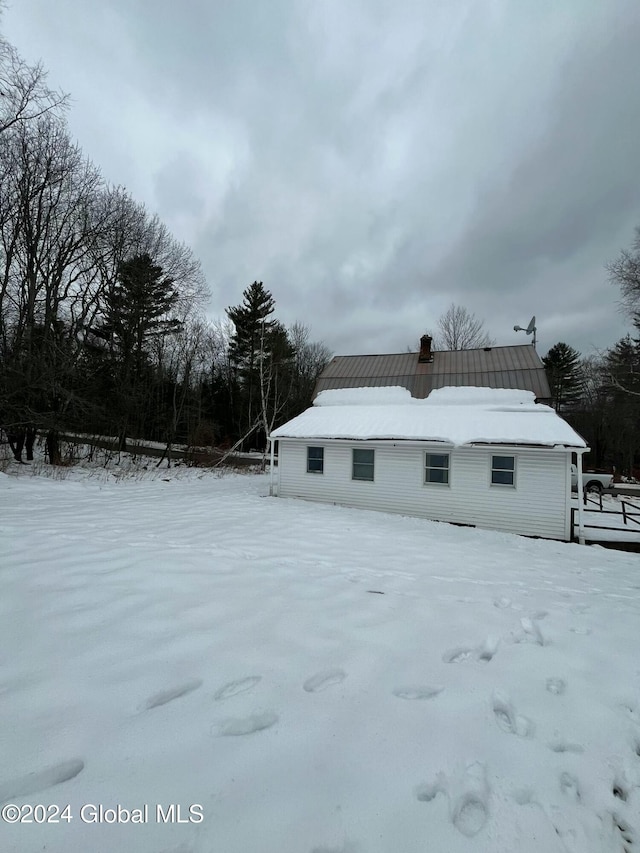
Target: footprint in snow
425 692
556 686
470 808
236 726
324 679
233 688
427 792
570 787
530 633
458 655
506 716
468 802
165 696
485 652
34 783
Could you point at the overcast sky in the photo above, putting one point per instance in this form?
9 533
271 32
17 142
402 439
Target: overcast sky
370 161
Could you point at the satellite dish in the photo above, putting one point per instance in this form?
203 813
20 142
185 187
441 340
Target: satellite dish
530 330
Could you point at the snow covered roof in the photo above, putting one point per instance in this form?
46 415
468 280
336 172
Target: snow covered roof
455 416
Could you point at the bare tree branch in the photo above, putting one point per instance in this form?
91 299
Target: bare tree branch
459 329
625 272
24 93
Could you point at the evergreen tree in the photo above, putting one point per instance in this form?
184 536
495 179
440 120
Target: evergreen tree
137 311
562 365
248 319
138 306
259 352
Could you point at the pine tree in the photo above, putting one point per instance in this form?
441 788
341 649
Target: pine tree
259 351
138 307
137 311
562 365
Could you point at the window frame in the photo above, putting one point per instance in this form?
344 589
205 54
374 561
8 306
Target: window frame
427 468
310 459
502 470
371 464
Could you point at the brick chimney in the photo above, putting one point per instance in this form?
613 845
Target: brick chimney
425 349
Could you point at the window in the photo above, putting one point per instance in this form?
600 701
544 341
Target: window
315 460
503 470
362 465
436 468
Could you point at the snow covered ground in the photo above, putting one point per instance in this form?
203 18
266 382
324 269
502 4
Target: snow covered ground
315 679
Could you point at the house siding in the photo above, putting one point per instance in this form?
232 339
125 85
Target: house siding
536 506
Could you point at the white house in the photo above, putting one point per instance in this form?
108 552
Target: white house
486 457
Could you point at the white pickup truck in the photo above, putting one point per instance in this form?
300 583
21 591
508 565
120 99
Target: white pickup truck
591 481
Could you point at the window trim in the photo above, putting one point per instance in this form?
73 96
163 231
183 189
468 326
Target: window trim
427 468
511 471
371 464
317 459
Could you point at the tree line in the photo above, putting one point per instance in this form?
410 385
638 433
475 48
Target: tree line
102 330
600 394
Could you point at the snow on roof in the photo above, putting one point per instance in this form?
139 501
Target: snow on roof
391 395
457 396
455 416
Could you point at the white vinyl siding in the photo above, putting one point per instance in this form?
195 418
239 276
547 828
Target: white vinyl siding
537 507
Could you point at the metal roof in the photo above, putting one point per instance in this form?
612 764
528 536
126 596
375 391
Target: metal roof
491 367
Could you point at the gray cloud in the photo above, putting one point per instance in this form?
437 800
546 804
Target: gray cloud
370 162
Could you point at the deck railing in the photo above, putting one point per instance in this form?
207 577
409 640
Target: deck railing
629 511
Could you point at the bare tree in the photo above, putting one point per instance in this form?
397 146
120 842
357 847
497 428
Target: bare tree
64 237
45 232
459 329
133 232
179 362
24 92
275 383
625 272
309 360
